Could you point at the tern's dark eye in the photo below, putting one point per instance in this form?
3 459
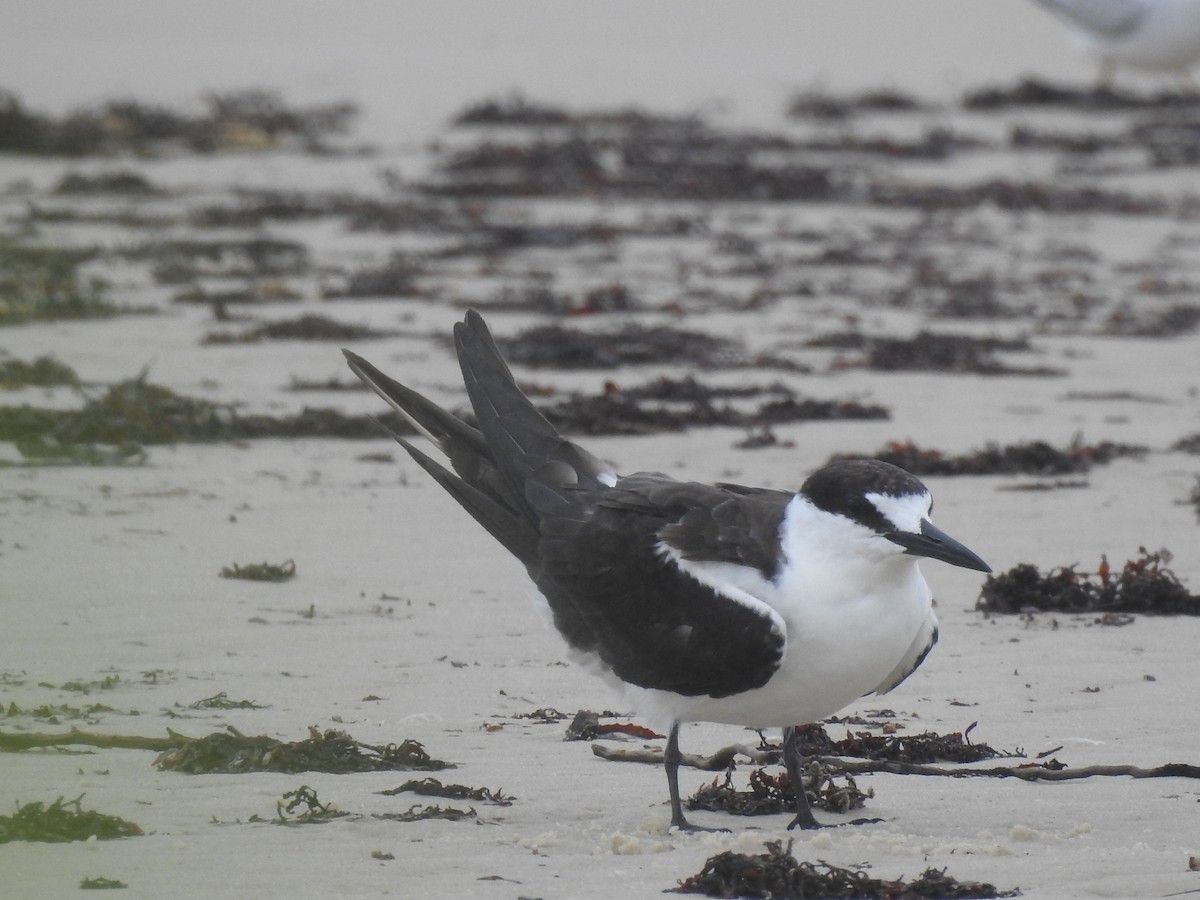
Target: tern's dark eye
861 508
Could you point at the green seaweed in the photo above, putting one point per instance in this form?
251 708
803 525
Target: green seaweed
62 821
221 700
328 751
100 883
136 412
261 571
314 811
39 284
45 371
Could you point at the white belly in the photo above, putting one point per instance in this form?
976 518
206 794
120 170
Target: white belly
843 641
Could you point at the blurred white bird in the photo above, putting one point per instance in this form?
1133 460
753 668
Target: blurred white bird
1161 35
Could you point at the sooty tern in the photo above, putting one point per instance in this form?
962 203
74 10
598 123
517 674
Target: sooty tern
716 603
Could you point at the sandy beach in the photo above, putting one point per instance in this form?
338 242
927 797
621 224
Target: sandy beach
405 621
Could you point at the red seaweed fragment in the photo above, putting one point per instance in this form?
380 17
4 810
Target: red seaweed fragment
586 726
1144 585
777 874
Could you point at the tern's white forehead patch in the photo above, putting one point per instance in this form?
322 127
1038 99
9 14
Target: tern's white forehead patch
905 511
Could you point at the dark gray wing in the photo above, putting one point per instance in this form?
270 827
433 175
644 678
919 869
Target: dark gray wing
615 592
913 657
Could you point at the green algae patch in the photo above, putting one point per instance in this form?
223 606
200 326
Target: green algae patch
63 821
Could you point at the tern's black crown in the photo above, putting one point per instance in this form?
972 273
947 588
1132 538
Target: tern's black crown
842 487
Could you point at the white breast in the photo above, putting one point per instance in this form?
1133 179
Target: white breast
852 607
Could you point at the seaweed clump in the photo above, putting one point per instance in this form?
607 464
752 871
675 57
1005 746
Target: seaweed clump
1144 585
328 751
43 284
245 120
570 348
1036 92
432 787
1025 458
669 404
777 874
928 351
63 821
917 749
45 371
771 794
274 572
137 412
304 328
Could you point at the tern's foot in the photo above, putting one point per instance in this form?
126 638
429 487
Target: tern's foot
811 824
686 827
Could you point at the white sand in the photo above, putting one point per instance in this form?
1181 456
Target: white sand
114 572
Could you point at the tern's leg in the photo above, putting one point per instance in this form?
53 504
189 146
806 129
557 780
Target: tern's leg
794 761
671 760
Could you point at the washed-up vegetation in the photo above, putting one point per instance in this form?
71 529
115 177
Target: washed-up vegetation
777 874
322 751
304 328
1145 585
773 794
668 404
930 352
303 807
62 821
1024 458
1101 98
246 120
122 182
45 283
136 412
432 787
275 572
101 883
633 344
184 260
45 371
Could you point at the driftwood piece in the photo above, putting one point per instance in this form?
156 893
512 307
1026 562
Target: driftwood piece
1029 772
716 762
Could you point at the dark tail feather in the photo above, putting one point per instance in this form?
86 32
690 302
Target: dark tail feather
427 417
515 532
525 446
478 487
510 467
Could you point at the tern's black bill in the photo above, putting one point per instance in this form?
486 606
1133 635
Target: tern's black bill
936 544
